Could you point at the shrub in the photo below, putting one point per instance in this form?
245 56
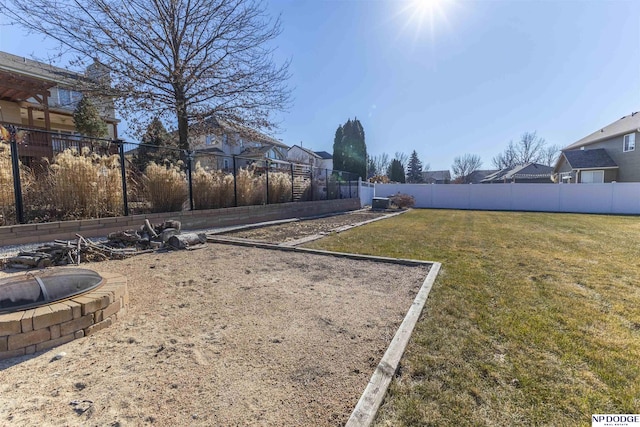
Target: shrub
403 200
165 187
379 179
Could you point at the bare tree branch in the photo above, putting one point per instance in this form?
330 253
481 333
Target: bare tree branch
463 166
182 60
530 149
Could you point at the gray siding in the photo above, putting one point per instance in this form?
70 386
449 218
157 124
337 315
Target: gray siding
628 162
564 166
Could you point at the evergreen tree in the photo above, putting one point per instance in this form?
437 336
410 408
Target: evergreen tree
88 121
350 149
157 146
396 171
338 150
414 169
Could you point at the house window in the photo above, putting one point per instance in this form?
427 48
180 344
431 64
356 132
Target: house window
592 177
68 98
208 140
629 142
225 163
224 139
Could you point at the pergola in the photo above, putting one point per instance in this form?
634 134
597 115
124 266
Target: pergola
19 88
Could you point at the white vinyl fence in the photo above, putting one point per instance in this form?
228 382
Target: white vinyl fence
366 191
611 198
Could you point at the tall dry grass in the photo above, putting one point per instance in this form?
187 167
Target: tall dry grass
279 187
6 183
81 185
250 187
212 189
165 187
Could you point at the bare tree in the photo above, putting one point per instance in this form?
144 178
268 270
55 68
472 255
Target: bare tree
402 158
463 166
530 148
182 60
550 155
381 162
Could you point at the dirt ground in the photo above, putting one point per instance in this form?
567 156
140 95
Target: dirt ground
296 230
221 336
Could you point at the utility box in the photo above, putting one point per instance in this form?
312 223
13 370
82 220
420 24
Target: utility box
380 203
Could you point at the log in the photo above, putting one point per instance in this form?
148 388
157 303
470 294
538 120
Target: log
150 229
167 233
184 241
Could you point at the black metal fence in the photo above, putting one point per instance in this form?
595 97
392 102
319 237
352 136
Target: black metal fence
45 176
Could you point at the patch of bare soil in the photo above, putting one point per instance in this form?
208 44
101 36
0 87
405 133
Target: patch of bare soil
295 230
221 336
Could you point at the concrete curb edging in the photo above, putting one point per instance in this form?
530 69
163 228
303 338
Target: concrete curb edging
373 396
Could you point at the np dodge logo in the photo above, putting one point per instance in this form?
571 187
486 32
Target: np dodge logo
615 420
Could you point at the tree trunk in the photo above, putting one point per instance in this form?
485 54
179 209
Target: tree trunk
185 241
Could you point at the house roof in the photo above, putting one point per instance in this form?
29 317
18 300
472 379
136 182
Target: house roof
19 65
244 131
256 152
626 124
437 175
324 155
306 150
210 150
477 176
589 159
524 171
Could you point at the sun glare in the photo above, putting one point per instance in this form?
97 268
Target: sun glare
422 14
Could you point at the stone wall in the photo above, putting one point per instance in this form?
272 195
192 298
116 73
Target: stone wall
191 220
48 326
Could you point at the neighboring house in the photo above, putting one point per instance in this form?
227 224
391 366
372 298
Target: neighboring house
327 160
305 156
43 97
524 174
219 141
607 155
316 159
436 177
477 176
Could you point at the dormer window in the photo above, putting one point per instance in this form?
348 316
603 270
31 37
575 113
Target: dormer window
629 142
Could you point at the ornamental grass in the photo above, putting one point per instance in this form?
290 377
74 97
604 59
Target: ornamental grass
212 189
80 185
165 187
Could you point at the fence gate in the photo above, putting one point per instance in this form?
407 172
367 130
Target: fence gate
301 182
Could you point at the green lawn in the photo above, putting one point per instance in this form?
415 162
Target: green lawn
533 320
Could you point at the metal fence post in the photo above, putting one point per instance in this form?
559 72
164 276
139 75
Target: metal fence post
189 177
235 184
123 177
338 178
326 180
268 165
292 179
350 185
15 166
311 181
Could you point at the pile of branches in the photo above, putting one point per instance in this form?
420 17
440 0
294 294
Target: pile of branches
119 245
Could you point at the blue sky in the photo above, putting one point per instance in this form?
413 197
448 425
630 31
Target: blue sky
468 79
